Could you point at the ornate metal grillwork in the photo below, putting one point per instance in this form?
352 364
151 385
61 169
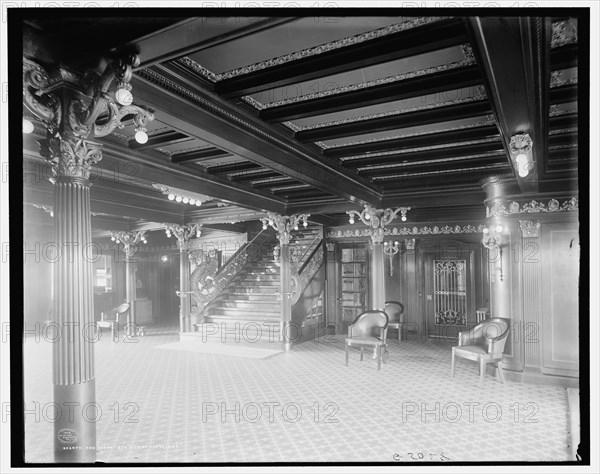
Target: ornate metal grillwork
450 292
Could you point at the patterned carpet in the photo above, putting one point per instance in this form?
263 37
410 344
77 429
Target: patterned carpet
300 406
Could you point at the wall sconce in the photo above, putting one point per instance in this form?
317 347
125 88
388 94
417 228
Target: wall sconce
492 240
520 150
390 250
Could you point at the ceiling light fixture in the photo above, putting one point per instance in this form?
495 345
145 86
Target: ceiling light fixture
141 136
520 150
182 196
377 219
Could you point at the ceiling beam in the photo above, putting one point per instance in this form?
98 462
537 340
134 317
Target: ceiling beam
199 113
419 86
396 121
564 57
189 36
423 168
395 46
422 157
160 139
514 55
198 156
416 141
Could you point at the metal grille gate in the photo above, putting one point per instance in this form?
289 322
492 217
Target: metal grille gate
450 292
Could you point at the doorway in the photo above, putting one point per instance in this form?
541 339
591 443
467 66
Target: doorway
168 284
449 289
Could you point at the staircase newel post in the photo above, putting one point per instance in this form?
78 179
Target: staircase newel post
284 226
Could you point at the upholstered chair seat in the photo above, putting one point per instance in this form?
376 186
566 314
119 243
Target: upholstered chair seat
369 329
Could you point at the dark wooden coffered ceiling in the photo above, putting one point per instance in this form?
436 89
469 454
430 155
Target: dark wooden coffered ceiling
321 115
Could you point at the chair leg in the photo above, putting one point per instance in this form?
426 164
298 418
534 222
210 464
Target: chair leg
347 355
452 367
362 353
481 371
500 371
378 351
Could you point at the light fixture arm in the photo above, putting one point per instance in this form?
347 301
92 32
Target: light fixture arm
377 219
129 240
86 105
284 224
183 233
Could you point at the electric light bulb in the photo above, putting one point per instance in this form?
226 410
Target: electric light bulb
27 126
305 224
486 230
351 220
264 226
171 197
112 238
498 228
124 97
178 198
296 227
141 137
367 216
192 202
186 200
198 203
396 243
522 164
403 218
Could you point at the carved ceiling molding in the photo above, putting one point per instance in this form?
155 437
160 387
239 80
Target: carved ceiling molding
184 150
305 53
405 230
489 120
563 33
557 110
531 207
429 162
468 61
556 79
480 94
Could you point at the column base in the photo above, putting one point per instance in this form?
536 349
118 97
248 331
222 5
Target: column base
75 423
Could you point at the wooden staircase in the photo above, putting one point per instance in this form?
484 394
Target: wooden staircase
248 311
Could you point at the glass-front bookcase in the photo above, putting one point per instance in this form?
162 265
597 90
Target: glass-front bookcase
354 280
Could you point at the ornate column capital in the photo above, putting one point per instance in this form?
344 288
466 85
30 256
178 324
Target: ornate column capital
284 225
129 240
70 157
377 219
530 228
183 233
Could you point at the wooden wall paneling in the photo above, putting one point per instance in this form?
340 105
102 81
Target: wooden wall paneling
560 305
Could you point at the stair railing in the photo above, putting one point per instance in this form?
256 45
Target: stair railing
307 271
234 265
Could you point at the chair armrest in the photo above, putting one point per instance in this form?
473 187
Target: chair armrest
350 330
382 333
462 336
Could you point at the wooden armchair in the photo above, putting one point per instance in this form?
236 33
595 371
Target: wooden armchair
484 344
395 312
111 318
369 329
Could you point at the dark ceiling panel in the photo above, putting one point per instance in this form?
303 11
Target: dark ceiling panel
391 122
403 44
417 86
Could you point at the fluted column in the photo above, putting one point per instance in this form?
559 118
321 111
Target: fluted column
531 294
73 350
377 274
183 234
